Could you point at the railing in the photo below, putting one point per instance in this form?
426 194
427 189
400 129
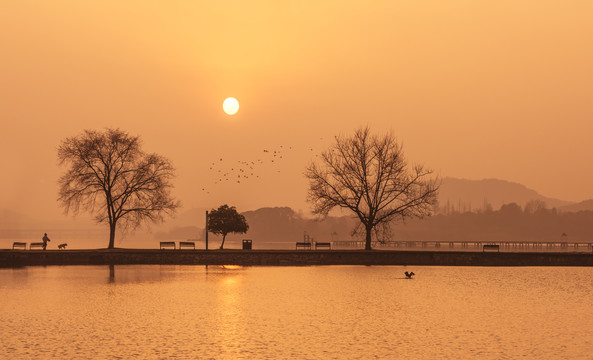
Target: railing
508 245
325 245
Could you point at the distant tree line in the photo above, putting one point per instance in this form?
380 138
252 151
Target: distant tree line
509 223
533 222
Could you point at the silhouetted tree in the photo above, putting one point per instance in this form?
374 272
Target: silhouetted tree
113 179
534 207
225 220
511 210
369 176
486 206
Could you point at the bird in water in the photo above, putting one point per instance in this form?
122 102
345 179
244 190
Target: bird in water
409 274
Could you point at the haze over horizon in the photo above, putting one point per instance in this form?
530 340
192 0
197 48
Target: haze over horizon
455 194
473 90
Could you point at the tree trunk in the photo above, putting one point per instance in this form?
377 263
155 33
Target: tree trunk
111 273
367 243
111 235
223 237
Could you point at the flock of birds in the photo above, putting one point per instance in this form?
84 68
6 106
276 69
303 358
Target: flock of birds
240 171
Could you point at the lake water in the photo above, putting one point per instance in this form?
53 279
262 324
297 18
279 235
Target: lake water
319 312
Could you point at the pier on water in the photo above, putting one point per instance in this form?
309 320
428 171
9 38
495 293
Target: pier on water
511 246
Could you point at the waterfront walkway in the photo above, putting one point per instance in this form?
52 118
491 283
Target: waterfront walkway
15 258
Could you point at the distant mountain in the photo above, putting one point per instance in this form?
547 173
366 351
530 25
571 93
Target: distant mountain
464 194
586 205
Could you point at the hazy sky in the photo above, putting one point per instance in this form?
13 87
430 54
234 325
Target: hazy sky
474 89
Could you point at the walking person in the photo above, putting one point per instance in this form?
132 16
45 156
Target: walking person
45 241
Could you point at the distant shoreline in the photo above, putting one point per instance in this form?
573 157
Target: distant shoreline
19 258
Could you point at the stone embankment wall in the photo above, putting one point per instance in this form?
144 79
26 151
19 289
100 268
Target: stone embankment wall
13 258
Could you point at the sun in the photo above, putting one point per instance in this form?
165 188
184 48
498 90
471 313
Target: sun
230 106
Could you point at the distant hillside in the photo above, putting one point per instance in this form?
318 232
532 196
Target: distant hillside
281 227
464 194
283 224
585 205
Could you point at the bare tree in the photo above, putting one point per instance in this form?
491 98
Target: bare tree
225 220
110 176
369 176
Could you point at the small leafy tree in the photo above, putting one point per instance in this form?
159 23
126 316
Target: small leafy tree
225 220
112 178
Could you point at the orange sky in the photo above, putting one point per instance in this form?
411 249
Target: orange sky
474 89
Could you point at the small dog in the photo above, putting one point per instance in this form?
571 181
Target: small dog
62 246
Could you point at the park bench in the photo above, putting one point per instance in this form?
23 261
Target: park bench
303 245
165 244
22 245
323 245
36 245
187 244
491 247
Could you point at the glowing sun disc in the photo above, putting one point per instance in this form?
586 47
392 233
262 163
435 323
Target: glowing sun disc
230 106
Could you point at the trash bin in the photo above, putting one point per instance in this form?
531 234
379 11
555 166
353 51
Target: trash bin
247 244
